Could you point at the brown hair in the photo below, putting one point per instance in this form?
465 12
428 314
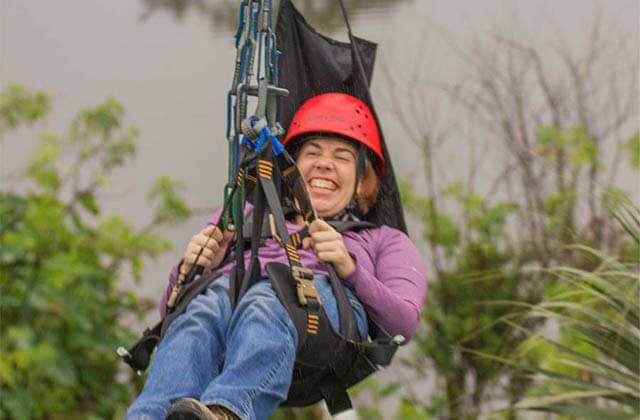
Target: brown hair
367 189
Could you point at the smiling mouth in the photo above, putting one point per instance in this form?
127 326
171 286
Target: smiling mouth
323 184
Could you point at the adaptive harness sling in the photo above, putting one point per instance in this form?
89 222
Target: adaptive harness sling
327 362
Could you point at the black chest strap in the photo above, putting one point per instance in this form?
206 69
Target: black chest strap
297 237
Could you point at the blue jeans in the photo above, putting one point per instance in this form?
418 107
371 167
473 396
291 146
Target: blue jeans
241 359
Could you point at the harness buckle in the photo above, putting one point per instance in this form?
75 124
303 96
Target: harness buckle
304 284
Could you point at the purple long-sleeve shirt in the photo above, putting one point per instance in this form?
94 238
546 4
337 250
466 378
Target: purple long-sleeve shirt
390 277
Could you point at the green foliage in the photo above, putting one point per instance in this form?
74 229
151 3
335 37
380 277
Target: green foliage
42 167
409 410
439 229
593 371
312 412
20 106
487 254
625 212
171 208
576 142
62 307
558 207
633 146
459 317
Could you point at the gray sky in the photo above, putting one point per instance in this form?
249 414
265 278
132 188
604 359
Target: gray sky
172 77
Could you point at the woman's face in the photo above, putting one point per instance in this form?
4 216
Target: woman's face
328 167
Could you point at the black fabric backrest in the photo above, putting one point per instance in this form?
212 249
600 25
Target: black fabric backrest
312 64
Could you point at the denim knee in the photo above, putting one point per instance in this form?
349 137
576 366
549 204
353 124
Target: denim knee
263 300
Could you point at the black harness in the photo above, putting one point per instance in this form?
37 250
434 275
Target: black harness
327 362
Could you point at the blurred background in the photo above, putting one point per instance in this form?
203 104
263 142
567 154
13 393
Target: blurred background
513 127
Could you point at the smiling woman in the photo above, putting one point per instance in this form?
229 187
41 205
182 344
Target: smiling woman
328 167
238 361
336 139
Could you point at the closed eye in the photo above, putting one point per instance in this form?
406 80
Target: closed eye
345 157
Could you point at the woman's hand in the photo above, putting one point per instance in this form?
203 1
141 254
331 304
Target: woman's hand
212 249
329 246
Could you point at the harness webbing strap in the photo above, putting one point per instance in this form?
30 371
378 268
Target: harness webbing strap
304 278
295 184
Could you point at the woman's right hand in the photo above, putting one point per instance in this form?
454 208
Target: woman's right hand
210 240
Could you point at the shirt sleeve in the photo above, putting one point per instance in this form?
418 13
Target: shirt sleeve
395 290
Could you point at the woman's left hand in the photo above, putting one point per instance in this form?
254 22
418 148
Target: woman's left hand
329 246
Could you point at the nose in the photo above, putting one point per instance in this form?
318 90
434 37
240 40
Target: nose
324 163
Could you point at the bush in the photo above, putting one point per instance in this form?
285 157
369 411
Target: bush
62 308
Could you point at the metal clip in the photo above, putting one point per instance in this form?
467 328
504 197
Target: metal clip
398 339
124 354
305 286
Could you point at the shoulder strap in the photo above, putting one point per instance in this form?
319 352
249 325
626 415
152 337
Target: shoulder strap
296 238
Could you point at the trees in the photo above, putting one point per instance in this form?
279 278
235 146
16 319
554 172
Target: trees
62 310
592 370
546 131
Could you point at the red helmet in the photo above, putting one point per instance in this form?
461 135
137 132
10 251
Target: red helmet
341 114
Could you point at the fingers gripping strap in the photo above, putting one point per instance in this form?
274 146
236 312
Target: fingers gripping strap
196 270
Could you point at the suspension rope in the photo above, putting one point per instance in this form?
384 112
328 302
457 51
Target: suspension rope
246 136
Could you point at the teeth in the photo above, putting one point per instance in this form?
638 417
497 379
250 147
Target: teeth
324 184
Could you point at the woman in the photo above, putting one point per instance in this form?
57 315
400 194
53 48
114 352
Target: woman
216 362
